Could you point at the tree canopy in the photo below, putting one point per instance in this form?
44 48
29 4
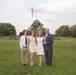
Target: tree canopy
7 29
66 31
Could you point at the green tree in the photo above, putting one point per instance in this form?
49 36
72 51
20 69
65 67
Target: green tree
58 31
73 31
7 29
64 31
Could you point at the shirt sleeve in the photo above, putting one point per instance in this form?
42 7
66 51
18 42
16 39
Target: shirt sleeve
21 42
50 40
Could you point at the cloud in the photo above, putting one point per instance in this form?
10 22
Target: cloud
14 12
59 8
9 4
58 12
58 5
52 13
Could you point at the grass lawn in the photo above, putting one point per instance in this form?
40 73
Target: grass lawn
64 59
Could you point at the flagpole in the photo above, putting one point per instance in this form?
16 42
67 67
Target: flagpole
33 13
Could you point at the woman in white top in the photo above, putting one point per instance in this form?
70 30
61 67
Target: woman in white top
32 46
40 49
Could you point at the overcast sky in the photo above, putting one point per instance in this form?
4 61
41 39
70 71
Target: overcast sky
52 13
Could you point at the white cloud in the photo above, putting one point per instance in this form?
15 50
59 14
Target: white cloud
58 5
14 12
52 13
9 4
58 12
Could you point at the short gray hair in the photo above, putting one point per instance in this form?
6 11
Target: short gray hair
47 29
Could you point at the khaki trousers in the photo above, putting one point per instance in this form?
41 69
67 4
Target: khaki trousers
24 55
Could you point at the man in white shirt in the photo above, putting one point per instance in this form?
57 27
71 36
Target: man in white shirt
24 47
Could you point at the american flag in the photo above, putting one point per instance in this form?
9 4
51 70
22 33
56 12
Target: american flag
33 13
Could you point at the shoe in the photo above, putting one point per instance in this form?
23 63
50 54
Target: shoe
24 64
50 65
31 64
39 64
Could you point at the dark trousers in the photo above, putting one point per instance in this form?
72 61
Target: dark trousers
48 56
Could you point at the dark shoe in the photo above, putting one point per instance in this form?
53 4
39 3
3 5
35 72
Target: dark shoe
24 64
50 65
